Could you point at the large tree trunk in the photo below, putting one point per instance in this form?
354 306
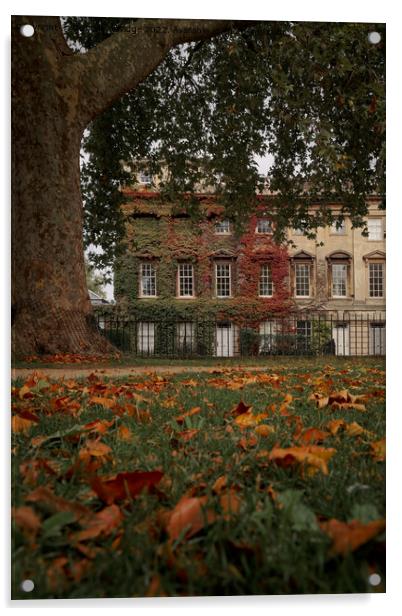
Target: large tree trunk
55 94
50 306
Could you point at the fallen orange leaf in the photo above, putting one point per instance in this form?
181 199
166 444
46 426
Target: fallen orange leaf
219 484
47 497
347 405
187 435
190 514
246 420
264 430
230 504
19 424
124 485
334 425
378 450
240 408
313 435
100 425
106 402
95 448
313 456
102 523
125 433
348 536
29 521
180 419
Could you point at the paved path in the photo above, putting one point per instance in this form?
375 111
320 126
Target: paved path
74 372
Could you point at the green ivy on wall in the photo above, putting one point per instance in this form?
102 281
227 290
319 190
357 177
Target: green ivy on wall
169 240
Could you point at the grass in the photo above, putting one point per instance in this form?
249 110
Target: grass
129 360
272 544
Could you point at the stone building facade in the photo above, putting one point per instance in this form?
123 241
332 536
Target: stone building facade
325 295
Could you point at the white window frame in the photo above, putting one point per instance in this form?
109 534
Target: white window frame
145 177
269 331
262 221
337 265
375 279
379 228
229 277
299 230
265 279
183 278
185 333
308 266
222 227
143 277
146 334
338 227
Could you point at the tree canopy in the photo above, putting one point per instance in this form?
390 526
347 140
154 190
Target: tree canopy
310 95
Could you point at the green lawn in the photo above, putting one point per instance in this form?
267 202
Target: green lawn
128 360
261 529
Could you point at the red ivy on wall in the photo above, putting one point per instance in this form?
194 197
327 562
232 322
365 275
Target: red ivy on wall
251 249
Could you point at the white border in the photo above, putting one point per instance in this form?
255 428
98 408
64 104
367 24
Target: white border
308 10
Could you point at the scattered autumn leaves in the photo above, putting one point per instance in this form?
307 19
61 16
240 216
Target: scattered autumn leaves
269 433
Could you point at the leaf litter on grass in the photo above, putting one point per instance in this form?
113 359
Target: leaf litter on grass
226 449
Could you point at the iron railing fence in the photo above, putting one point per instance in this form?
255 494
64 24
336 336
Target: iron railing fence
303 333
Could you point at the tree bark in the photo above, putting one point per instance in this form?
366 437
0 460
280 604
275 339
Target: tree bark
55 94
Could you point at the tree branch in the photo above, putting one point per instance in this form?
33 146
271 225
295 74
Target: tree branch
123 60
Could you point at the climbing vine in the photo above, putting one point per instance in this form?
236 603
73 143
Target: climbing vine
167 239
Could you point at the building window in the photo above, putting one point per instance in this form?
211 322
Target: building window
268 337
374 227
302 280
146 338
222 227
223 279
338 227
145 177
147 280
186 280
301 229
377 339
339 279
265 286
186 337
263 226
303 333
376 280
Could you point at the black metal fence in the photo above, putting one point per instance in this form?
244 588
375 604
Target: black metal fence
344 334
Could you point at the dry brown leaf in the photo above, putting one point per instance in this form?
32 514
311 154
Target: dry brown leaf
29 521
335 425
125 433
220 484
100 524
19 424
247 420
95 448
264 430
314 456
46 496
181 418
348 536
191 514
230 503
313 435
106 402
378 450
341 406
